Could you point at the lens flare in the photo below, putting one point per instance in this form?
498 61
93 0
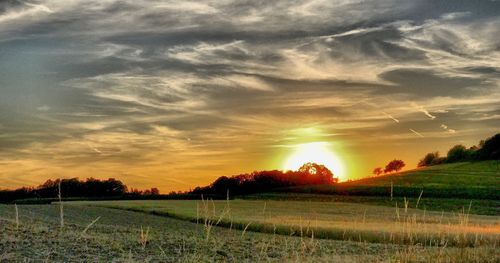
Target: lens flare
315 152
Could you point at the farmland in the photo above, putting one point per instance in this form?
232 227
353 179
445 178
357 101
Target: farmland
448 187
116 236
476 180
333 220
303 224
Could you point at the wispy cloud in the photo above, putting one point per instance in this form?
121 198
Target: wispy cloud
448 129
424 111
189 91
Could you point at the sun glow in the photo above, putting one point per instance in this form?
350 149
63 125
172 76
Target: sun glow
315 152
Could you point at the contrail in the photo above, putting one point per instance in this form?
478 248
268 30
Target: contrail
417 133
428 114
390 116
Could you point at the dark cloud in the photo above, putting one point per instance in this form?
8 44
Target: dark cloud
495 71
480 9
7 5
426 83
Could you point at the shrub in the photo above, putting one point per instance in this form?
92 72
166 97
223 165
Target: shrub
394 166
429 159
490 148
459 153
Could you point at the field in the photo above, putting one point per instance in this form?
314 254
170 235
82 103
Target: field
127 236
306 224
448 187
333 220
465 180
477 180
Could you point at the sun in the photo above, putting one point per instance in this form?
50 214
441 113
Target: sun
315 152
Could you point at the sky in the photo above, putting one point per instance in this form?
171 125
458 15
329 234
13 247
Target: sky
174 94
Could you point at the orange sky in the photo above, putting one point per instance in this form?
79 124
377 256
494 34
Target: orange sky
186 164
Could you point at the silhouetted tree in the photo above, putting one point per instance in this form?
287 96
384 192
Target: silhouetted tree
429 159
155 191
439 160
394 166
490 148
69 187
457 153
262 181
378 171
323 174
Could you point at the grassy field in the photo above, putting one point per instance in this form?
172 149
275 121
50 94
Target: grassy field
473 175
444 187
456 205
477 180
116 236
332 220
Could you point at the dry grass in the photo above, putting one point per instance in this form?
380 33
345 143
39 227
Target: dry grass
114 238
330 220
144 237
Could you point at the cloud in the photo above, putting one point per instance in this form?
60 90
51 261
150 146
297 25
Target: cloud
446 128
424 111
16 10
425 83
43 108
189 91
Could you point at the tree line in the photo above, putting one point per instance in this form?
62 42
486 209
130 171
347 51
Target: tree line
263 181
488 149
259 181
74 187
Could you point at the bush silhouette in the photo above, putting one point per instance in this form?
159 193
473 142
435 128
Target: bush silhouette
457 153
488 149
394 166
378 171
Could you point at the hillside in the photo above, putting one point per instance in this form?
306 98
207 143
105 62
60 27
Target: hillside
448 187
477 180
485 175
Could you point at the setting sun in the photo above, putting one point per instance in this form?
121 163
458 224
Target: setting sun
315 152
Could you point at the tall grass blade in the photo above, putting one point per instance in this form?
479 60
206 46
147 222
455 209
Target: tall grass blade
392 190
61 209
89 225
17 216
420 196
